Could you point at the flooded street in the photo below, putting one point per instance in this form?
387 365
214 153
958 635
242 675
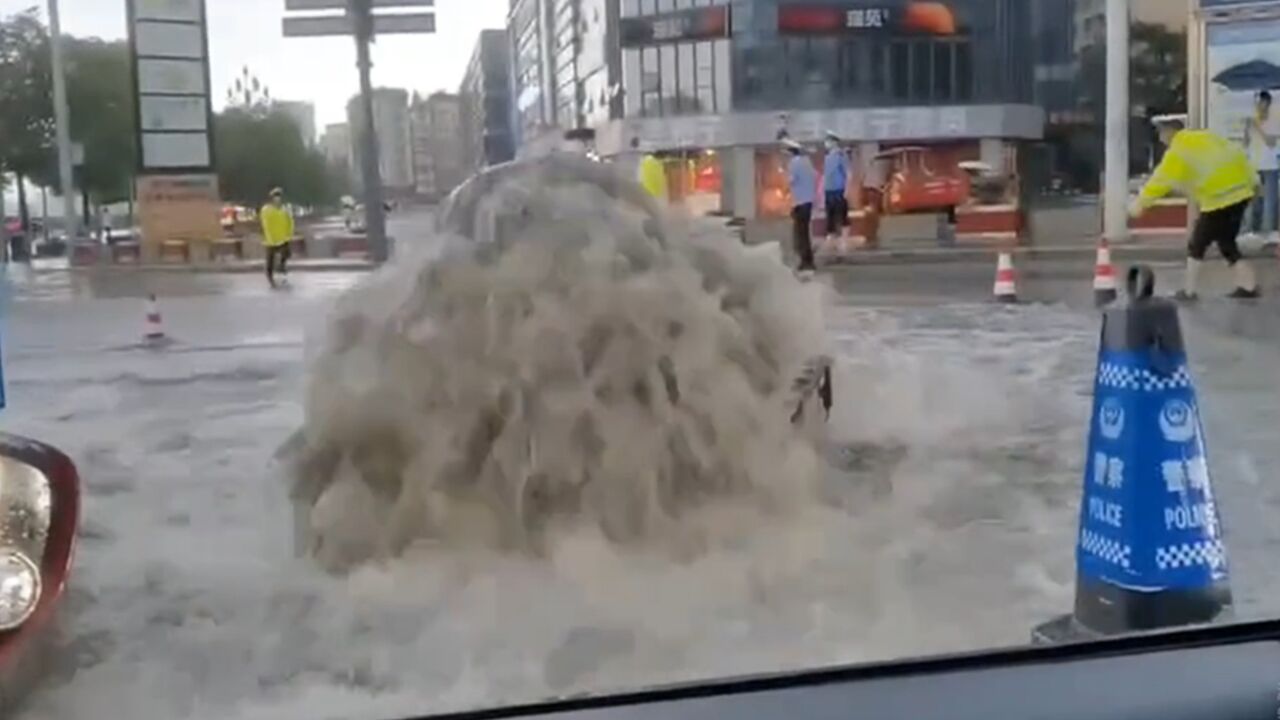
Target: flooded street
951 509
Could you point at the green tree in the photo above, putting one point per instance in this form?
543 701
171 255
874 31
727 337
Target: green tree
258 150
1157 84
26 111
100 96
1157 71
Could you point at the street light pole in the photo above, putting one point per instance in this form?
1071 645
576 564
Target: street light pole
1115 222
374 213
62 120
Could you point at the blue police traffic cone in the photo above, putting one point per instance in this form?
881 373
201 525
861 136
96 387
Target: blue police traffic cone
1150 552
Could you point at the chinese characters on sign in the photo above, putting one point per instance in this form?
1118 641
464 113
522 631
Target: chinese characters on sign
1180 478
705 23
669 28
1181 475
866 18
1108 472
178 207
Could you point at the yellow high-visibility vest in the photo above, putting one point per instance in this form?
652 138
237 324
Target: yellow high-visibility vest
653 177
1205 167
277 225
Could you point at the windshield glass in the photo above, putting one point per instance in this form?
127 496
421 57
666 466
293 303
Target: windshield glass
543 348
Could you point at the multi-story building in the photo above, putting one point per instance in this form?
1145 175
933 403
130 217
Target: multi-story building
336 143
439 158
391 120
716 84
529 29
565 67
303 115
485 96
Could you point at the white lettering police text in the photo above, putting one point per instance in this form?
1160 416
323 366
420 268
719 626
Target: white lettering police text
1107 513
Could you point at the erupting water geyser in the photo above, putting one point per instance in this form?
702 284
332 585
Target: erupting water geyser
573 358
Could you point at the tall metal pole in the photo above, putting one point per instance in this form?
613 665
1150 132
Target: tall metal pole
1115 225
1197 113
374 214
62 119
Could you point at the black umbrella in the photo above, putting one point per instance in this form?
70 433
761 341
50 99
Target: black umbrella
1253 75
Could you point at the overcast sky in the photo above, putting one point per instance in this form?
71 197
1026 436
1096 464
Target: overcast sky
322 70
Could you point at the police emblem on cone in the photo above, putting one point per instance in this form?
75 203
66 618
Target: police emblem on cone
1006 285
1150 551
1104 276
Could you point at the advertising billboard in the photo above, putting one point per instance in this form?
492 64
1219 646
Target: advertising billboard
169 47
178 207
707 23
910 18
1229 45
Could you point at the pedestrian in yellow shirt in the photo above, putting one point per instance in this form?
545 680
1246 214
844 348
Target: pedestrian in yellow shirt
277 234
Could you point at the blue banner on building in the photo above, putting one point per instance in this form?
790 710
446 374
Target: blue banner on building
1148 520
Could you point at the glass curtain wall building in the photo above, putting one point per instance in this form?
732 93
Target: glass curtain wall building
715 83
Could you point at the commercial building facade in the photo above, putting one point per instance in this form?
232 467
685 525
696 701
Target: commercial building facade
336 144
485 97
391 118
718 83
565 68
439 159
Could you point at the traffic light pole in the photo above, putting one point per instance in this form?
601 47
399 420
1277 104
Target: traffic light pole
374 211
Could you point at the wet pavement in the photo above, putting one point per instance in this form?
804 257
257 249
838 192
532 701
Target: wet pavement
967 421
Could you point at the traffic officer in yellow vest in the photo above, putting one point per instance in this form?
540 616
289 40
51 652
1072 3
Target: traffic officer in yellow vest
651 173
277 234
1217 175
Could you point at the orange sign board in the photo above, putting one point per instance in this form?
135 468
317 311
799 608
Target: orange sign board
179 207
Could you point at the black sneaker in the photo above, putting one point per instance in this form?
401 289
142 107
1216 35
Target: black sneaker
1242 294
1184 296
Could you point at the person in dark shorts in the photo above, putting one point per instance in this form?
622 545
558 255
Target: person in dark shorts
1216 174
803 181
835 180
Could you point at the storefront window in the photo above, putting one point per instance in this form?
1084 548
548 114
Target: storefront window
810 52
773 196
704 76
943 79
694 180
964 73
921 70
900 70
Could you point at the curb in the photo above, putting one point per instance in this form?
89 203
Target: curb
1132 253
348 266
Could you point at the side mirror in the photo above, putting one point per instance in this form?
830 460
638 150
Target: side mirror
39 517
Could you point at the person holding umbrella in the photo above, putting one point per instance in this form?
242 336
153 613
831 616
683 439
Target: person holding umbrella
1216 174
1261 131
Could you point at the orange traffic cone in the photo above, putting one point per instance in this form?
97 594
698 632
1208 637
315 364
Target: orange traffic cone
1006 287
1104 276
155 324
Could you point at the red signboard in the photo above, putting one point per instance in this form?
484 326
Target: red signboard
924 18
706 23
